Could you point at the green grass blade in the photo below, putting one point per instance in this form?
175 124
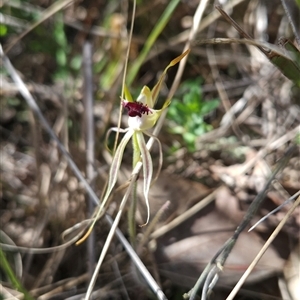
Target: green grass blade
161 23
5 267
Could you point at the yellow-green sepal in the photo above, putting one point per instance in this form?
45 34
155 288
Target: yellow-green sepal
128 96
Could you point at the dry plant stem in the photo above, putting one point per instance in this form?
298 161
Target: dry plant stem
288 6
284 139
185 216
90 141
237 27
32 104
258 44
152 224
7 295
211 277
49 268
196 23
131 216
44 173
112 232
61 125
138 263
125 72
81 227
219 85
122 287
48 291
263 250
183 36
272 146
275 210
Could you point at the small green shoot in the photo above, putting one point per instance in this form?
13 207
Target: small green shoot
187 115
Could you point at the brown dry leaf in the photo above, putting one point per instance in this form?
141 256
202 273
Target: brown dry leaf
259 175
182 194
231 175
183 253
228 205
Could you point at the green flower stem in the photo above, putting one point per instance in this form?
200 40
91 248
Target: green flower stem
133 204
5 267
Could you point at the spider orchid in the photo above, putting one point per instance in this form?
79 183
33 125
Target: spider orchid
141 117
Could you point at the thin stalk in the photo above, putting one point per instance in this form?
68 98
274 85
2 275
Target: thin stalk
108 240
125 73
90 141
133 204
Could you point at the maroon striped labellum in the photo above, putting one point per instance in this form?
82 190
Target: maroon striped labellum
136 108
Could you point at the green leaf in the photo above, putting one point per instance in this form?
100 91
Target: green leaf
61 57
209 106
297 139
188 114
3 30
76 62
289 67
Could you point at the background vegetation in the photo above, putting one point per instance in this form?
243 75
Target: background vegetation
233 116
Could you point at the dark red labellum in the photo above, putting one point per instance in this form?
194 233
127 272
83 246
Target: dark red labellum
136 108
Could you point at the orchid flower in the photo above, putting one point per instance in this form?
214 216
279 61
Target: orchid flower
141 117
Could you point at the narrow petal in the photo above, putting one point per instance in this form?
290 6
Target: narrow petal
113 175
157 87
115 129
115 165
160 161
147 170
